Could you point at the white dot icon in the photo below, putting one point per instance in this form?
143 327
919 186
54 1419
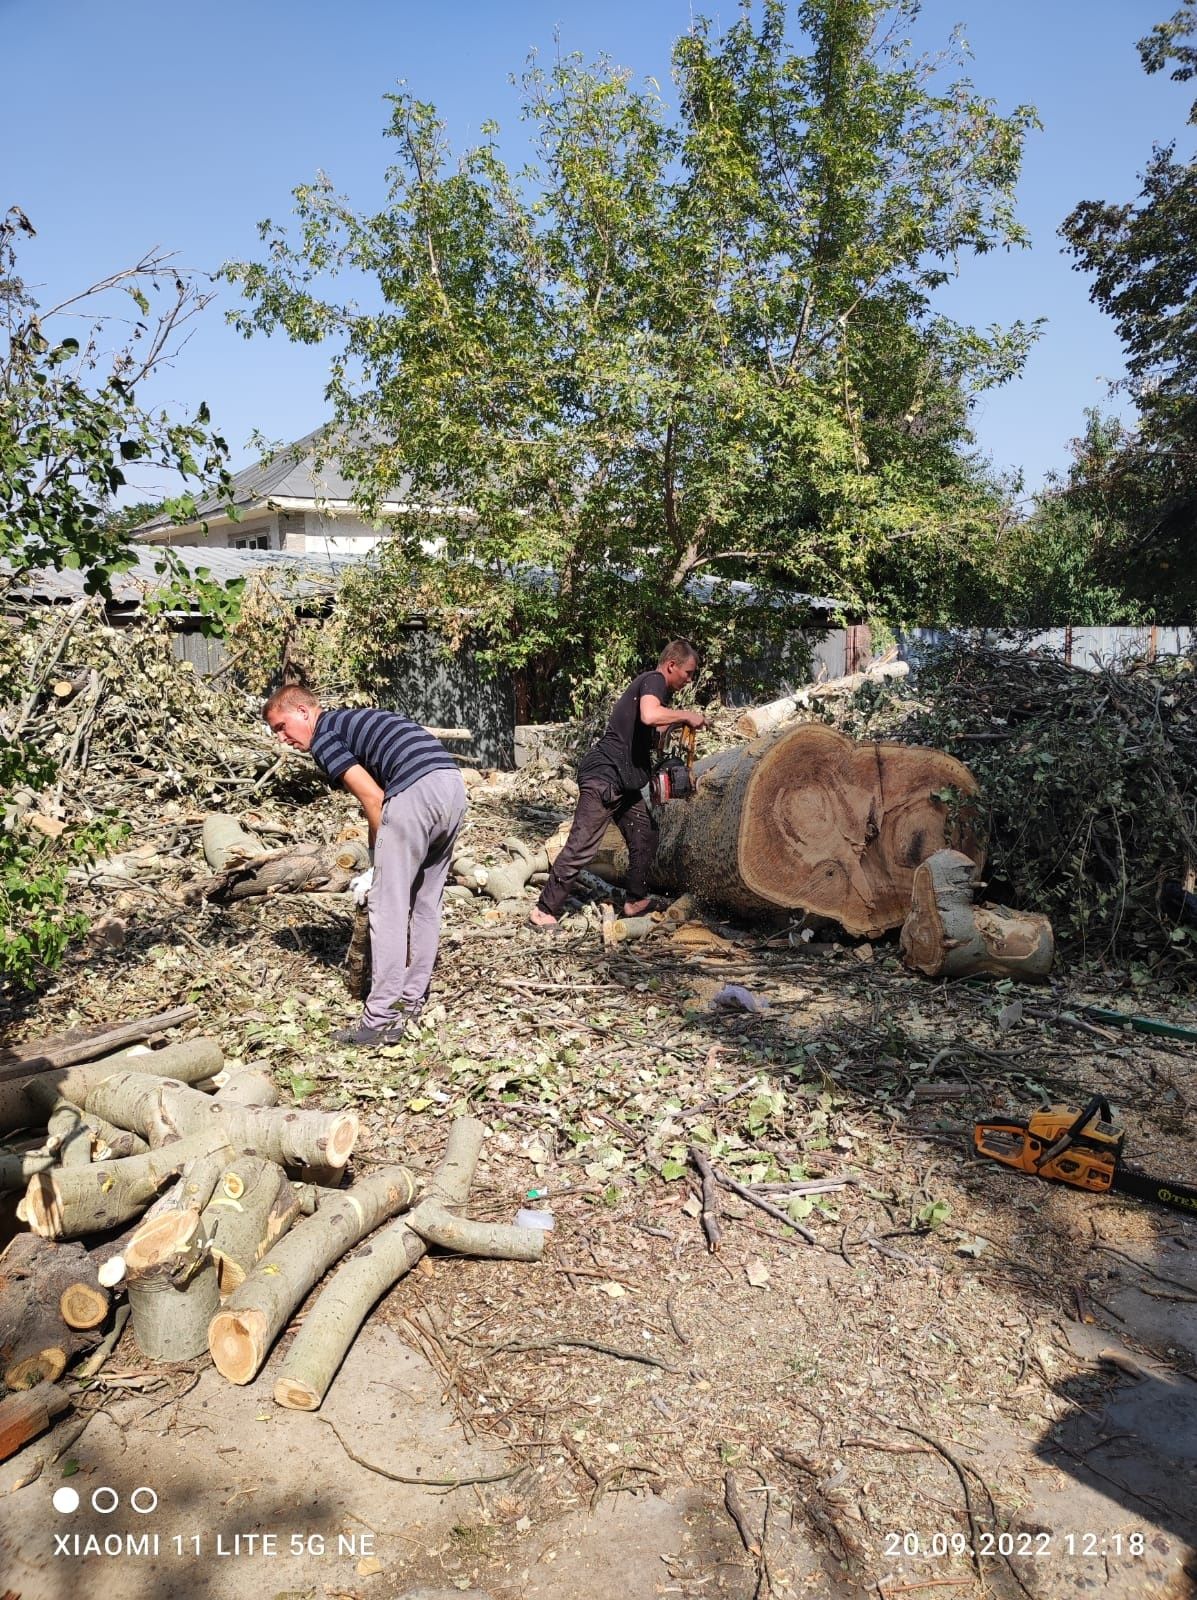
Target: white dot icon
66 1499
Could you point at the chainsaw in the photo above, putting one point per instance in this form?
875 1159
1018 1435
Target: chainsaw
1081 1148
673 775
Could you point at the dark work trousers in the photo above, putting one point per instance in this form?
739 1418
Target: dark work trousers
600 803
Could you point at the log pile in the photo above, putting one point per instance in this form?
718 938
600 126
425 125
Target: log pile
223 1236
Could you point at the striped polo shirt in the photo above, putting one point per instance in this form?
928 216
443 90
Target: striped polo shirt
394 751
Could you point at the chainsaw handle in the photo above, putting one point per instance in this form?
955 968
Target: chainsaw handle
1098 1106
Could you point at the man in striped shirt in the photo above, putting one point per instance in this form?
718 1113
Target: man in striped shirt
414 800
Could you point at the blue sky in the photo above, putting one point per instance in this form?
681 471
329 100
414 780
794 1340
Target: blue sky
132 125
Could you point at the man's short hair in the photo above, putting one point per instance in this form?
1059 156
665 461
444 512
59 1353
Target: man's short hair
289 698
679 651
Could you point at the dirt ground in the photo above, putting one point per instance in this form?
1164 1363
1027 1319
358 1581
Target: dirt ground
970 1383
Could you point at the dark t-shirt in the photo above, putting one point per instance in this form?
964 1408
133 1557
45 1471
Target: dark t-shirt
624 753
394 751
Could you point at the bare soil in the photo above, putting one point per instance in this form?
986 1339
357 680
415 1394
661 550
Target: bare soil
971 1383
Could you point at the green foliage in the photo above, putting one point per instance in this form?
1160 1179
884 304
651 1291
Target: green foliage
1088 782
1142 260
70 425
71 422
678 345
35 925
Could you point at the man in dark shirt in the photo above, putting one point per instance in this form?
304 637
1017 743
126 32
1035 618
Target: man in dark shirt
411 791
610 778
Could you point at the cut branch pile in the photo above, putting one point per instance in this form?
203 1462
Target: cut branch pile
223 1240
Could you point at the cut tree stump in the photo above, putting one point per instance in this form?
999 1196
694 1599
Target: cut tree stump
806 819
946 936
240 1335
172 1285
51 1307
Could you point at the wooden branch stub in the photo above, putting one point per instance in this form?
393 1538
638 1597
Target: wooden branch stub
946 935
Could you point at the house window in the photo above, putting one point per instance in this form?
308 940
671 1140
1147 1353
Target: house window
259 542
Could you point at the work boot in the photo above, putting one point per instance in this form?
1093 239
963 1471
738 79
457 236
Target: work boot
362 1035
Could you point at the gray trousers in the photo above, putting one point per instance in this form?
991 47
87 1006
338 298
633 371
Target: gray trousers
411 864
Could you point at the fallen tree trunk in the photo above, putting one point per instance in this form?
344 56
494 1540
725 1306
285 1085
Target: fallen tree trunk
240 1336
161 1110
762 719
24 1416
805 819
248 1088
303 869
87 1044
51 1305
28 1102
946 936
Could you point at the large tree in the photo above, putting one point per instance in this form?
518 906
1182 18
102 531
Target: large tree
1143 261
674 346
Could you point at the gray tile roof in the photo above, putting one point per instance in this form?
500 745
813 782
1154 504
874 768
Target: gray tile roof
297 574
291 473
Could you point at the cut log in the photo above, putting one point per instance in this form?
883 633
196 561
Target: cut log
24 1416
88 1044
253 1205
240 1335
161 1110
763 719
947 936
248 1088
357 956
303 869
27 1102
72 1201
806 819
172 1285
225 842
68 1135
50 1308
331 1325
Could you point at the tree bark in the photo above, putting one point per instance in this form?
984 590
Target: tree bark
946 935
358 957
303 869
225 841
240 1336
806 819
762 719
172 1286
161 1110
50 1306
24 1416
27 1102
87 1044
331 1325
253 1205
248 1088
72 1201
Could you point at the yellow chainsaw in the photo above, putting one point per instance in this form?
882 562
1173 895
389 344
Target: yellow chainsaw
1083 1148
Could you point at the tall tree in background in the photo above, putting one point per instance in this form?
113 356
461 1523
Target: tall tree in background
697 346
1143 260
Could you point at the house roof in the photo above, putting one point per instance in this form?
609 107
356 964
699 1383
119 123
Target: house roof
296 574
289 474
